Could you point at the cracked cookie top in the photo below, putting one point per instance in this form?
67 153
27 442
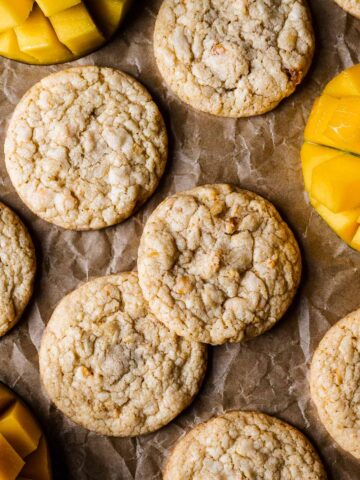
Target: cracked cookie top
233 58
335 382
244 445
86 147
110 367
17 268
218 264
350 6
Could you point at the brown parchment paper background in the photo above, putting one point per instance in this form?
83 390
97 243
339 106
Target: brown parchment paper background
268 373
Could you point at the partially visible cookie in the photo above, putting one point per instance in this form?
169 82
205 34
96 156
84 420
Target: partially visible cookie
109 366
335 382
244 445
350 6
17 268
233 58
218 264
86 147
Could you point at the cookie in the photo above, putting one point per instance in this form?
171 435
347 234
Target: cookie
218 264
110 367
233 58
243 445
335 380
86 147
17 268
350 6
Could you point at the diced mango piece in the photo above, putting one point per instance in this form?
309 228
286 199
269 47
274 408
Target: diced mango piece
343 129
320 116
38 465
50 7
336 183
6 397
313 155
108 13
37 38
355 243
10 462
20 429
345 84
76 29
14 12
9 48
343 223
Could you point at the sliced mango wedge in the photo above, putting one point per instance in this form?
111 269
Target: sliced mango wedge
14 12
10 462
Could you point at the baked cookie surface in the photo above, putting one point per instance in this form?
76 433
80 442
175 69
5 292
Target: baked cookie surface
110 367
233 58
242 445
350 6
86 147
17 268
335 380
218 264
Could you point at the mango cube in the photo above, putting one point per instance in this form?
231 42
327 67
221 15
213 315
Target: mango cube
320 116
343 129
6 397
336 183
345 84
20 429
108 13
50 7
37 465
10 462
355 243
36 38
313 155
76 29
343 223
13 13
9 48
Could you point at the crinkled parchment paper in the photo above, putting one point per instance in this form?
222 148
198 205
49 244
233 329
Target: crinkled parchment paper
268 373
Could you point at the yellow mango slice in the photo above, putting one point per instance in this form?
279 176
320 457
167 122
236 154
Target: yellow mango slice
14 12
20 429
345 84
37 38
343 129
320 116
336 183
9 48
76 29
37 465
313 155
10 462
343 223
355 243
108 13
50 7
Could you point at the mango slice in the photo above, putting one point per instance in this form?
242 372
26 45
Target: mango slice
20 429
313 155
76 29
37 465
6 398
108 13
330 155
10 462
14 12
345 84
9 48
36 38
50 7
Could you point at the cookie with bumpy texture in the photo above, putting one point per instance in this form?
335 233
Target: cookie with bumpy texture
86 147
110 367
335 380
243 445
233 58
218 264
17 268
350 6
